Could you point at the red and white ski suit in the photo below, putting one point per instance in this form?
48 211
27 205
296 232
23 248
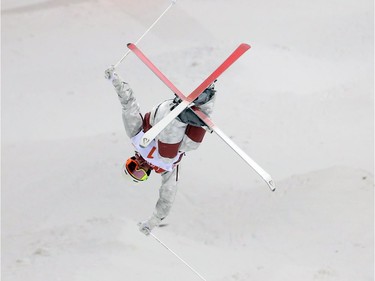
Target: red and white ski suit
166 151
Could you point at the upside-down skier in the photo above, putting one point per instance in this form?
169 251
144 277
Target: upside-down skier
164 154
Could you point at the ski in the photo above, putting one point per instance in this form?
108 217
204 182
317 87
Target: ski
155 70
186 101
210 125
258 169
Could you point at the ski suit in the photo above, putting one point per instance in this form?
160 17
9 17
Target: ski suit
170 145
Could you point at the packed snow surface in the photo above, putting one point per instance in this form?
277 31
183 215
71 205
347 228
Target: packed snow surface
300 102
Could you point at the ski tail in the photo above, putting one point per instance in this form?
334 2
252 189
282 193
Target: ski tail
258 169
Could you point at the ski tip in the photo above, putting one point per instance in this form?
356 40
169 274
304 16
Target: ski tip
130 45
245 46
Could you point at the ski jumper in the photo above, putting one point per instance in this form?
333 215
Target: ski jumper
165 152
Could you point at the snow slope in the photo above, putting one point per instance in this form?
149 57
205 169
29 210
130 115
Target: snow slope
300 102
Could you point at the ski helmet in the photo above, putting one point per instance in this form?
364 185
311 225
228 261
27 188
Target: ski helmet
135 171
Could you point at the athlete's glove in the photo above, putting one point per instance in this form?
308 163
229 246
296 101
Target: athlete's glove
110 73
122 88
147 226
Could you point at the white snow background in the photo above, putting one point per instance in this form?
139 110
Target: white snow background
300 102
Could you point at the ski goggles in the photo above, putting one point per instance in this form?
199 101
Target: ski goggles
133 168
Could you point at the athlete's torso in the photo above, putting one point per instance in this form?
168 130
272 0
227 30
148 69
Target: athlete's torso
151 155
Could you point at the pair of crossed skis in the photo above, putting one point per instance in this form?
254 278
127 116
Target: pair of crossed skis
188 101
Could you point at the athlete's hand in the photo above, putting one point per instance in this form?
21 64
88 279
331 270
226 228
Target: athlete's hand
110 73
148 225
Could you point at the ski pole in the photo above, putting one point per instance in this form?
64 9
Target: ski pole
165 246
144 34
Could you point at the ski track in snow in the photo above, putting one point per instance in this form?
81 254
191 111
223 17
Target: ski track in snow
303 96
